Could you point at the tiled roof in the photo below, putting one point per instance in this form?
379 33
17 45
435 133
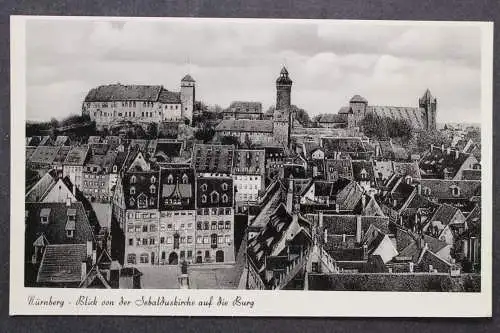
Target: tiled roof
167 149
77 155
141 189
248 161
347 224
245 125
61 140
44 154
362 167
119 92
332 118
444 214
343 167
347 145
434 163
246 107
62 264
169 97
413 115
358 99
177 188
471 174
442 189
345 110
211 192
406 169
61 155
213 158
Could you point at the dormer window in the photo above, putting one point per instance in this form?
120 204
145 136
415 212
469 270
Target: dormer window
224 186
153 179
204 187
204 198
427 191
170 179
152 189
132 190
214 197
142 201
70 233
44 215
455 191
224 198
115 169
132 180
184 179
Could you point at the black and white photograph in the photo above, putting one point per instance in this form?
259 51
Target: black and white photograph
262 158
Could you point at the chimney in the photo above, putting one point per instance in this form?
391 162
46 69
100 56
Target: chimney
89 248
325 236
431 269
432 147
84 270
410 267
365 252
337 208
74 190
457 154
343 238
448 151
442 147
358 229
419 189
363 201
94 256
289 196
320 218
114 275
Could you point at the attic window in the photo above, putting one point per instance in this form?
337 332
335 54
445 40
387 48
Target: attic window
184 179
69 233
408 180
204 198
170 179
204 187
153 180
132 180
427 191
214 197
152 189
132 190
224 186
224 198
455 191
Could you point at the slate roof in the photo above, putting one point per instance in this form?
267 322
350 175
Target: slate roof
119 92
213 158
214 188
177 188
245 125
249 162
62 263
141 186
77 155
54 231
414 116
284 78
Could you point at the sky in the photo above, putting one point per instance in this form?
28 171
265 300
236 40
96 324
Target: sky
328 61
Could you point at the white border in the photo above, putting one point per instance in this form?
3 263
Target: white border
267 303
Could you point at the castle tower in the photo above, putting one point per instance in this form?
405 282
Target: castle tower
429 104
188 85
358 106
283 90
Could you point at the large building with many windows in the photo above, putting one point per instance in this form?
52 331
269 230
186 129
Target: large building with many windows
112 104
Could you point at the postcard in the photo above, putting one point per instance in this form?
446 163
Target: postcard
251 167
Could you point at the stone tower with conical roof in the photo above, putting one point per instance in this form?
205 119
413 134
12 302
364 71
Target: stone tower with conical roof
283 90
188 85
282 118
429 104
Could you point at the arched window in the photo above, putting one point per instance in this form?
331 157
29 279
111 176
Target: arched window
184 179
132 180
224 198
224 186
144 258
204 198
204 187
152 189
214 197
455 191
153 180
170 179
115 168
132 190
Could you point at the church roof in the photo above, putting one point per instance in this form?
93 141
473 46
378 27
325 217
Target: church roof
188 78
358 99
413 115
284 71
169 97
427 96
119 92
283 78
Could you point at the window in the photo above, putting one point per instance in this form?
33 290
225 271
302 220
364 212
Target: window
224 198
221 240
207 254
228 225
228 211
130 241
162 240
152 228
182 254
204 187
198 225
189 239
224 186
190 226
152 189
153 179
189 254
455 191
184 179
145 228
132 190
169 226
221 225
138 228
204 198
205 226
183 240
199 240
152 241
214 197
214 225
205 240
69 233
132 180
144 258
131 258
228 239
142 201
138 242
130 228
169 240
144 241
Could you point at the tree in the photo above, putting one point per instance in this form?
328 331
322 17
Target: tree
152 131
383 128
204 134
230 140
301 116
422 140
